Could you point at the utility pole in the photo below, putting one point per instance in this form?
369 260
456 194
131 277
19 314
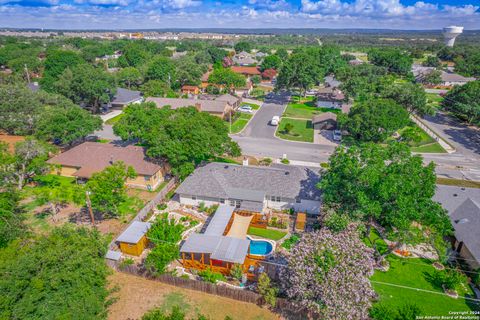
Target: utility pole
89 205
28 75
230 120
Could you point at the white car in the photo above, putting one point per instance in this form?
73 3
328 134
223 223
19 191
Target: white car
275 120
246 109
337 135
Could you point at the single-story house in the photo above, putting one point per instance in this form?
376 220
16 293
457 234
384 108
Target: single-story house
124 97
133 240
463 206
230 99
325 121
217 108
252 188
246 71
330 97
88 158
244 59
186 89
448 78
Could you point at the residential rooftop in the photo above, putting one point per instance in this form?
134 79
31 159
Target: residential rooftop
92 157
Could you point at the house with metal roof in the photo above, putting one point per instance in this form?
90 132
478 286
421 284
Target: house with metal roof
133 240
252 188
216 248
124 97
463 206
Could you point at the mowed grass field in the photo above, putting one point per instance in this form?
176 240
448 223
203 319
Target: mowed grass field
415 273
302 130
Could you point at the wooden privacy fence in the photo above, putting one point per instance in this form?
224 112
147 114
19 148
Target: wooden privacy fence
155 201
283 306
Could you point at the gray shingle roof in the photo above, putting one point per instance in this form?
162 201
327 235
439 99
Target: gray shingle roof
135 231
450 197
219 221
126 96
220 180
214 106
466 222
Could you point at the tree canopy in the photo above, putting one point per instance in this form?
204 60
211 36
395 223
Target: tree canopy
383 184
11 216
271 62
374 119
226 77
243 46
327 273
55 64
464 102
57 276
411 96
393 59
184 137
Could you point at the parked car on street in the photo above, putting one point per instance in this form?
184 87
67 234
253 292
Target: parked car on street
337 135
275 120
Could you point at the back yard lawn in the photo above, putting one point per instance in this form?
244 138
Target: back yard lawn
305 110
114 120
415 273
240 122
266 233
302 130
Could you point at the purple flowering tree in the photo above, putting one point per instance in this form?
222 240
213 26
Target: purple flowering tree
327 273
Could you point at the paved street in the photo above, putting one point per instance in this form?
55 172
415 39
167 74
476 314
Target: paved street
258 138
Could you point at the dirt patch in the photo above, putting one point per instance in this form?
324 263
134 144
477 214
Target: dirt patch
137 295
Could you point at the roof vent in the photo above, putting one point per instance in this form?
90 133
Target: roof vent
455 195
462 221
287 173
226 167
462 188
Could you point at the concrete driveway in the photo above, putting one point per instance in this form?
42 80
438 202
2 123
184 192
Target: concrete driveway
259 126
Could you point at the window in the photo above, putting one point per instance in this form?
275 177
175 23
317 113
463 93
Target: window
222 200
147 178
275 198
194 197
278 199
298 200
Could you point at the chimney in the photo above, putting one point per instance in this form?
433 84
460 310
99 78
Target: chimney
245 161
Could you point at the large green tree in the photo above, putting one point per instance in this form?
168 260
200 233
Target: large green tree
86 85
61 275
299 71
130 77
55 64
184 137
188 71
374 120
163 69
226 77
271 62
107 188
11 217
411 96
393 59
387 185
464 102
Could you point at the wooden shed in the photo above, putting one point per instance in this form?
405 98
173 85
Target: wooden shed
300 222
133 240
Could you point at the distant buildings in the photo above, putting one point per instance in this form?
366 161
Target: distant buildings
244 59
447 78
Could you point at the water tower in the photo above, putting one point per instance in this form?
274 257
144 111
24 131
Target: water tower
450 34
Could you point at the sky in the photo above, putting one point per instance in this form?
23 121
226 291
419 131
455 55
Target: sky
149 14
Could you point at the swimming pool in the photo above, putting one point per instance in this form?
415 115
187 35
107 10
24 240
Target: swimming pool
260 247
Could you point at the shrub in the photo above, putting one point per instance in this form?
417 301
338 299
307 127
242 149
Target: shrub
336 222
266 290
161 255
265 162
285 161
448 278
162 206
237 272
211 276
126 262
277 223
290 242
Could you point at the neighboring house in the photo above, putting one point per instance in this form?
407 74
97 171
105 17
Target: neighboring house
244 59
133 240
448 78
330 97
252 188
246 71
186 89
331 82
215 107
88 158
463 206
355 62
124 97
244 91
325 121
230 99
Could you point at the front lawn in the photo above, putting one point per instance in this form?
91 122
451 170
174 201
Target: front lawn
429 148
302 130
425 144
253 105
305 110
434 99
239 123
415 273
114 120
266 233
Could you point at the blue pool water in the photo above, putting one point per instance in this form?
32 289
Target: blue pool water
260 247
